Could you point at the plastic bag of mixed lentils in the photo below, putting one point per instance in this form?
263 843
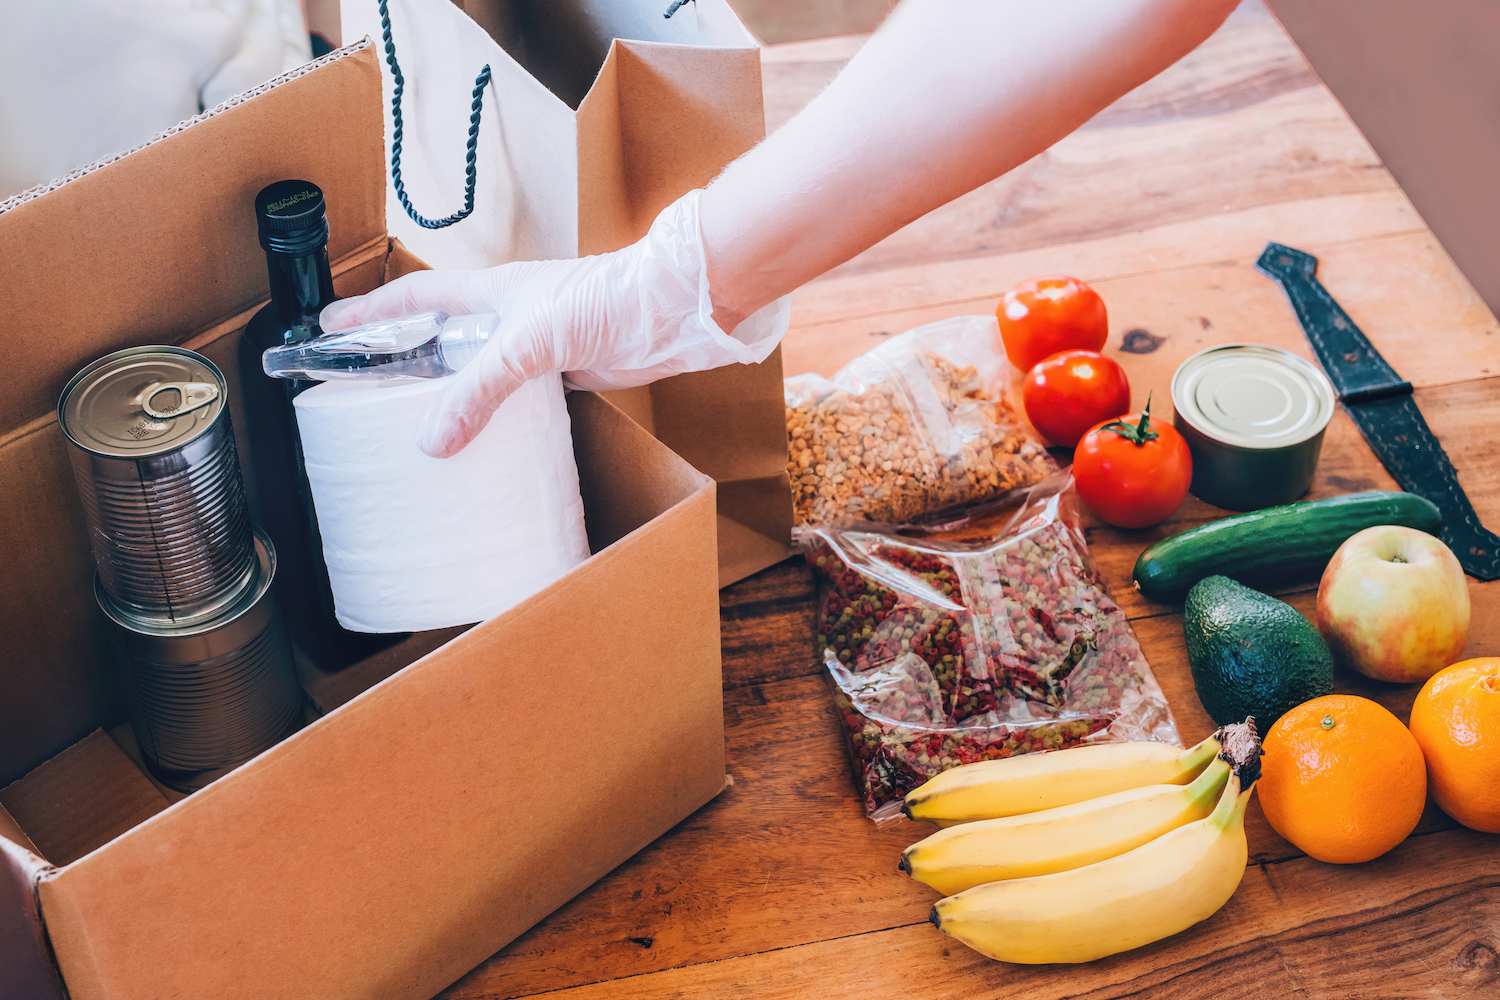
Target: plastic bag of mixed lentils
917 424
942 652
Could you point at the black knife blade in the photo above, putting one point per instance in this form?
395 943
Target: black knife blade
1381 404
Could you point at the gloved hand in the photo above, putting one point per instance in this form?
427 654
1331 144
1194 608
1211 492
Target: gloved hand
609 321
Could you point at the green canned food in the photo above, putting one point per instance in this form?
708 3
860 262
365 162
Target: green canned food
1253 417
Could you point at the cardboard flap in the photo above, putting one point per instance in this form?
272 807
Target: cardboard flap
26 969
55 667
81 799
11 830
755 525
179 209
730 423
618 451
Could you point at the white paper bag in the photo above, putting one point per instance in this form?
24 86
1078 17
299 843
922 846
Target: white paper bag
527 191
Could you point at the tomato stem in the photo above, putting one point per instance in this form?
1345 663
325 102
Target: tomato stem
1137 434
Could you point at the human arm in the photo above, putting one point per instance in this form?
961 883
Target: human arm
947 95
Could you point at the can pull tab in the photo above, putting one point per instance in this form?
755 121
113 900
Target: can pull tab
190 396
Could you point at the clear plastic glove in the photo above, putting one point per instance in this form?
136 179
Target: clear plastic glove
607 322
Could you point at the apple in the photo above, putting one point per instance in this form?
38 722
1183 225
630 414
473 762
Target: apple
1394 605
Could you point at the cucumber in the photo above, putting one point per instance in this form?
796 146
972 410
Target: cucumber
1277 545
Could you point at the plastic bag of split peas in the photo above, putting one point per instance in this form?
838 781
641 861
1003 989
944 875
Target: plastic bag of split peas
975 640
920 423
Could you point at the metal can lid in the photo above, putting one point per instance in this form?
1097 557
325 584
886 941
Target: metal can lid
141 402
1253 396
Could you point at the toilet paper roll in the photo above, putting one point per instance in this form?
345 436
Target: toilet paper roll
414 542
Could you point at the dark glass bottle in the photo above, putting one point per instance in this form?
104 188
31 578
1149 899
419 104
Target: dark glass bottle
293 226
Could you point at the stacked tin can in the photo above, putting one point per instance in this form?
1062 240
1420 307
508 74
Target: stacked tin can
184 577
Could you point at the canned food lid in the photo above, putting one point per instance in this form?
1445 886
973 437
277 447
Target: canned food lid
1252 396
141 402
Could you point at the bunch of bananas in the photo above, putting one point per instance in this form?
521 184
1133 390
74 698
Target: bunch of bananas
1077 854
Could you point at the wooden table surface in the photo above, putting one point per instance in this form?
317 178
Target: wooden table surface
781 887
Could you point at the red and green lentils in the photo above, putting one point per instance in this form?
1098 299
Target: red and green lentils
943 654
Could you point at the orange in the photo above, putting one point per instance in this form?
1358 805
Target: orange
1456 720
1342 779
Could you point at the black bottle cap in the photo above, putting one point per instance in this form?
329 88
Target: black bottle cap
291 218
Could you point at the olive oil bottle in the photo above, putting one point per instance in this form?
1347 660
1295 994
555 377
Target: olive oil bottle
292 221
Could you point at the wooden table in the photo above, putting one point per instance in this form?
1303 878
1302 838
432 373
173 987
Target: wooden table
781 887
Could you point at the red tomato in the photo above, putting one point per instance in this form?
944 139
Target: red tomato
1042 316
1070 392
1133 473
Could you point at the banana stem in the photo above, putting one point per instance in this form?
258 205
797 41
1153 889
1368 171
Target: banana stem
1195 758
1237 818
1242 752
1227 801
1209 785
1230 812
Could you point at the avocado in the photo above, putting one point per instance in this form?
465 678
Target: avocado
1251 654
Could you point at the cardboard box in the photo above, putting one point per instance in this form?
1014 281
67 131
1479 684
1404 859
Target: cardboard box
437 809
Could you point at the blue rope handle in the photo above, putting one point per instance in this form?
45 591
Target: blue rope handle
470 157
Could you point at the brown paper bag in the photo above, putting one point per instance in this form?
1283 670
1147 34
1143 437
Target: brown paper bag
598 115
